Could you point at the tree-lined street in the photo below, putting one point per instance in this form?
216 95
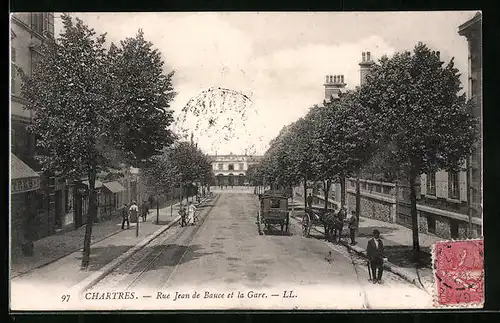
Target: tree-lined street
227 253
102 115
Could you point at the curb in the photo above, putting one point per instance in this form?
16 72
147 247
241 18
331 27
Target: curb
387 265
96 277
390 267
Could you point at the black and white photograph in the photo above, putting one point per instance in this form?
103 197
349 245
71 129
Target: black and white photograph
246 161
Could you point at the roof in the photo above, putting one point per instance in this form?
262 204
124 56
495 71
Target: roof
114 187
19 170
471 22
98 184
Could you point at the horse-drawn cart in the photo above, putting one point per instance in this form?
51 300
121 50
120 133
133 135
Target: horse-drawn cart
273 210
330 219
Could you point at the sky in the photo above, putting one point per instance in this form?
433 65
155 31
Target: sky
277 60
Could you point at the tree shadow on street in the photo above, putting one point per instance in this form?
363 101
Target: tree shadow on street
367 232
404 256
169 256
101 256
275 231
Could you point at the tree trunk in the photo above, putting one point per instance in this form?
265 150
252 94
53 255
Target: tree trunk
342 191
305 191
414 214
326 190
90 218
157 210
358 199
293 208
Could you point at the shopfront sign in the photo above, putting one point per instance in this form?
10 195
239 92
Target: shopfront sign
21 185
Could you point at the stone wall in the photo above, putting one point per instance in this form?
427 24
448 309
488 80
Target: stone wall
372 208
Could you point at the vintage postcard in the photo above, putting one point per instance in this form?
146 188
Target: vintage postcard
246 160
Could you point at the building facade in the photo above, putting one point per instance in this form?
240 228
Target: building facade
442 198
231 169
471 29
42 203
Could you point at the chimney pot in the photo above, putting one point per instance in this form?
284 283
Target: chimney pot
368 56
335 78
363 56
327 79
342 78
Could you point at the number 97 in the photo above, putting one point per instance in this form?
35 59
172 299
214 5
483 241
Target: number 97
65 298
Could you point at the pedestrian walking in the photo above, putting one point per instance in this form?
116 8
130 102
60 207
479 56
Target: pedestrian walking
375 253
182 213
310 200
133 211
145 211
191 210
352 223
125 216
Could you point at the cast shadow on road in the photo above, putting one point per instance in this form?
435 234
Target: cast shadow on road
272 231
404 256
367 232
169 256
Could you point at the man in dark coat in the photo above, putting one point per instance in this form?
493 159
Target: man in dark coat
353 225
125 217
310 200
375 253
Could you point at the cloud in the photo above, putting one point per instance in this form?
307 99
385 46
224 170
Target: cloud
282 78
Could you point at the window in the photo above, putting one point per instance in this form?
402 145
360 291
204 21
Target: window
242 166
231 167
431 184
37 22
275 204
220 166
453 185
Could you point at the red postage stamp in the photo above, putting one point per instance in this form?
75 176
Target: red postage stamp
459 273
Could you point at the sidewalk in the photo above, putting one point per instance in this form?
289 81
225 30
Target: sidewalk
398 245
52 248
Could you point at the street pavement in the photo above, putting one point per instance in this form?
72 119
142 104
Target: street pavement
58 274
225 253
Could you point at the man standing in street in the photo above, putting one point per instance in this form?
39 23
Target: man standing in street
125 216
310 200
375 253
352 222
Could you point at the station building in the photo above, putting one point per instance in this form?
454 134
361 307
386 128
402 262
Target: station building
231 169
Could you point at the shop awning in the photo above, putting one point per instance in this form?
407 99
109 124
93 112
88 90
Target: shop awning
98 184
23 178
114 187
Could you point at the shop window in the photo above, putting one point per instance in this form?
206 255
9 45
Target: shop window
431 184
242 166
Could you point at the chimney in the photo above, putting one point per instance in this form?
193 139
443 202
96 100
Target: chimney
365 66
327 79
342 78
331 79
335 79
